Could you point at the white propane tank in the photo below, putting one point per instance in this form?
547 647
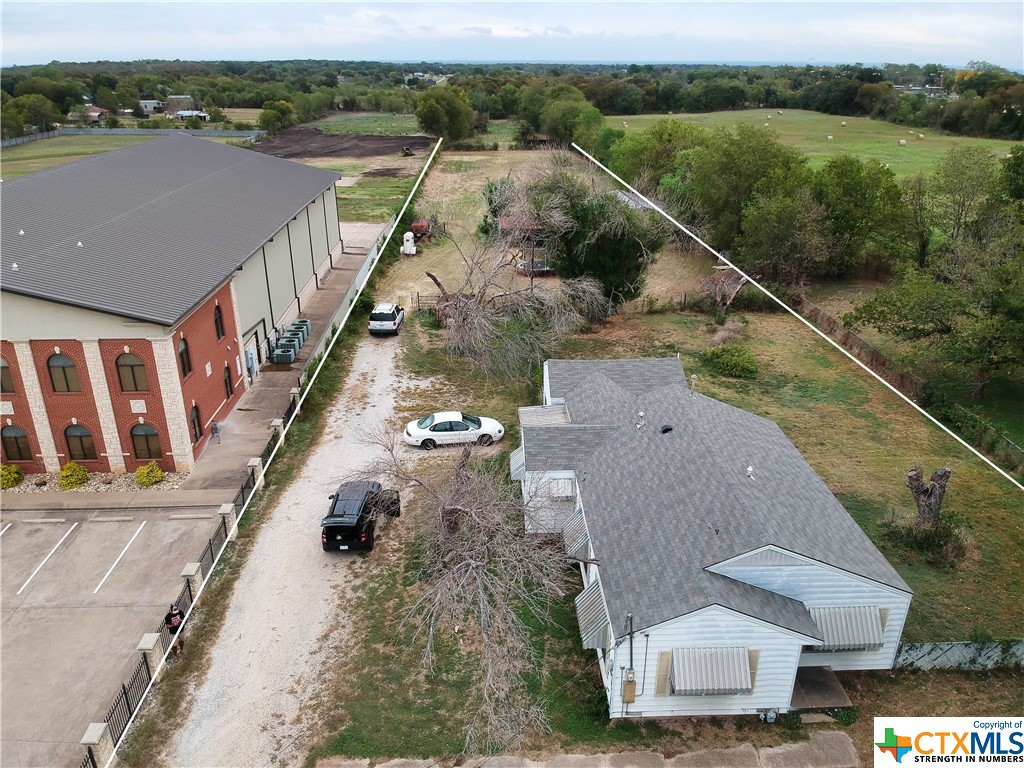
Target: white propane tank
408 244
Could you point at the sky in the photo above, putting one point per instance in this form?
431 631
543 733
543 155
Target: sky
948 33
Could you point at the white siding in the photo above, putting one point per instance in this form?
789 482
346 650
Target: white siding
778 655
283 282
820 586
24 318
252 304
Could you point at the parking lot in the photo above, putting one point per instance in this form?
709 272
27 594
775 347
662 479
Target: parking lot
77 592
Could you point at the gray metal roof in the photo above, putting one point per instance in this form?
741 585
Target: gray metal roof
161 224
681 501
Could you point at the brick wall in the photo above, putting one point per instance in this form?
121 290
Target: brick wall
67 408
207 390
16 409
132 408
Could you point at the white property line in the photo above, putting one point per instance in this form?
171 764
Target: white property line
270 459
111 569
5 528
810 325
46 558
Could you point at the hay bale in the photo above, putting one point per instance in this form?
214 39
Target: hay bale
903 142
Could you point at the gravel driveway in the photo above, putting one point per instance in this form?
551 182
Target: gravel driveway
253 707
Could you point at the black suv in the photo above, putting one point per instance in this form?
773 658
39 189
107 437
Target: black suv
353 514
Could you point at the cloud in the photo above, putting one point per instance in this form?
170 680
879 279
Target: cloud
952 34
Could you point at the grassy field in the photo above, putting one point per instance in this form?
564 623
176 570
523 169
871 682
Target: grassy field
862 137
372 198
245 114
368 123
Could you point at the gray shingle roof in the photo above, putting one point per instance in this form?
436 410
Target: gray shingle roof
679 502
162 224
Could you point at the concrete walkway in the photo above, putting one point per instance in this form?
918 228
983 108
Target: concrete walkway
826 749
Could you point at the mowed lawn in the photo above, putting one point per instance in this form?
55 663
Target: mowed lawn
809 131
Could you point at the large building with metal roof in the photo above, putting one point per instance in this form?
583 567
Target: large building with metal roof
142 290
720 574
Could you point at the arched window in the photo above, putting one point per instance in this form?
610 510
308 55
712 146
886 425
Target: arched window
146 442
6 380
184 358
197 424
16 444
80 445
63 374
229 388
132 373
218 322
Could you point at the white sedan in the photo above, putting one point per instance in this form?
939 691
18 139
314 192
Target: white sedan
448 427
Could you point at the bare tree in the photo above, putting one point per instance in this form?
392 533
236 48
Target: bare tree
505 327
928 495
481 570
722 287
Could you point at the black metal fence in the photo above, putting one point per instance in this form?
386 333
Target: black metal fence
290 409
269 448
184 602
209 556
128 699
89 761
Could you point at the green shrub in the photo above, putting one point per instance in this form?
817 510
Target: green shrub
10 476
149 474
73 475
844 716
731 360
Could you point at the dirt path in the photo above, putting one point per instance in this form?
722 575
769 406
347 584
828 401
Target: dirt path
287 613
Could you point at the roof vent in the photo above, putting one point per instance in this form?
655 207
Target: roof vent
750 472
693 384
79 243
14 267
666 428
21 231
640 420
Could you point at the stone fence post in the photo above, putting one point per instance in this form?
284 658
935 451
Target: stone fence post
193 574
98 736
227 513
256 465
152 648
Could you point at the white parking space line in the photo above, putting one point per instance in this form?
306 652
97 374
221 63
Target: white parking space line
46 558
5 528
120 556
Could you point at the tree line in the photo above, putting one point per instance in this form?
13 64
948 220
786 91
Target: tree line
978 100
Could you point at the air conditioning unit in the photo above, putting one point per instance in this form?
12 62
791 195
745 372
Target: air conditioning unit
292 344
301 327
307 326
296 335
284 355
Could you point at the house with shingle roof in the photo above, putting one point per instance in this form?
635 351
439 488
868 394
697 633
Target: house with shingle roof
135 316
720 574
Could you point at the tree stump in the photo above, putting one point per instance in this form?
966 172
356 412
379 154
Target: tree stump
928 495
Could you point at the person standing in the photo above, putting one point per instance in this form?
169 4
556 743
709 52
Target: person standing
173 621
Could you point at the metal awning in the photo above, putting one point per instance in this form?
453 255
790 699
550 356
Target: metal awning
849 627
592 617
702 671
577 541
517 463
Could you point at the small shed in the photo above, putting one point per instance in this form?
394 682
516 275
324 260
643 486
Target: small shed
420 228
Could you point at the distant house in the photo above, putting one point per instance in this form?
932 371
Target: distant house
149 106
179 101
96 114
720 575
535 140
185 114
